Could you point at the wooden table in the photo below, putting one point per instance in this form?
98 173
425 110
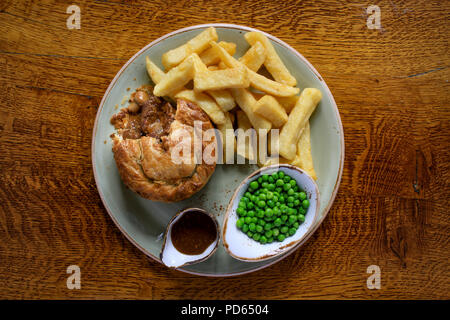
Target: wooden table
392 209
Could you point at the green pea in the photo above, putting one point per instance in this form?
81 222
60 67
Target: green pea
286 179
276 211
240 223
265 177
240 210
268 226
293 183
271 187
291 192
248 220
284 218
269 212
270 203
296 225
254 185
278 189
261 203
283 229
290 199
248 194
275 232
268 233
270 240
281 237
284 208
281 199
296 188
301 218
259 228
277 222
245 228
292 219
251 213
290 204
250 205
280 174
305 204
286 186
296 202
250 234
292 231
302 210
269 195
263 239
270 180
260 180
279 183
256 236
254 219
252 227
296 195
275 199
291 211
275 176
302 195
260 213
261 222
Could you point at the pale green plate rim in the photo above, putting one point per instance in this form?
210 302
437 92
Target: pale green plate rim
280 42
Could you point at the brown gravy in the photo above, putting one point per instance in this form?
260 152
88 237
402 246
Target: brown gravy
193 232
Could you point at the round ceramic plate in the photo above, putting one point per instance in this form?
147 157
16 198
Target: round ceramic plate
143 221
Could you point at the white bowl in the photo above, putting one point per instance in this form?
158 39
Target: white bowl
242 247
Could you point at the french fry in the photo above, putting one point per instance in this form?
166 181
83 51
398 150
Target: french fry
271 87
206 103
223 98
269 108
210 57
254 57
197 44
273 62
246 139
256 80
228 139
288 103
221 79
176 78
303 159
275 160
154 72
299 116
246 101
222 65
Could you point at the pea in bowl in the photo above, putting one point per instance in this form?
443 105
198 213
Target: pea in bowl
271 212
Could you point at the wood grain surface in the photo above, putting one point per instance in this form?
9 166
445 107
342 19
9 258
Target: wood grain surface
391 87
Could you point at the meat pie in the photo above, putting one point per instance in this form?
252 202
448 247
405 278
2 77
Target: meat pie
148 131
